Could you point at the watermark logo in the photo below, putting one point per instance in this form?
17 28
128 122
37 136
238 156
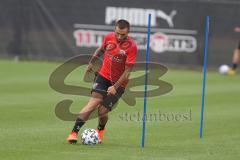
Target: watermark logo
58 76
157 116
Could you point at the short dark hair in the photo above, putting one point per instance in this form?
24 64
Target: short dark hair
122 24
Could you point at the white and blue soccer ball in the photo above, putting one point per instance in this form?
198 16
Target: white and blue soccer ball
224 69
90 137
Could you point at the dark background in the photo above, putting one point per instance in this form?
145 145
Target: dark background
43 29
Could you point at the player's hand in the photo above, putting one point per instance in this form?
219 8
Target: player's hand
237 29
111 90
89 68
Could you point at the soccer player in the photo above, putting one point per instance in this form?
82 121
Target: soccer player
236 56
119 55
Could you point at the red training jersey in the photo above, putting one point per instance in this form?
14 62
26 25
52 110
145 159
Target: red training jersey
116 56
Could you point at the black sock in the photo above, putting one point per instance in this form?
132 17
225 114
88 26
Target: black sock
78 124
234 67
101 127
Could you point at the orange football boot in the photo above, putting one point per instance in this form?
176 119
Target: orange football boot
72 138
232 72
100 135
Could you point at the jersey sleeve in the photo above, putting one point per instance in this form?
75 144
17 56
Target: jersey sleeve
132 56
104 43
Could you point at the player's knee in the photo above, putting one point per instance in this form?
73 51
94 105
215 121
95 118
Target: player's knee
94 101
102 111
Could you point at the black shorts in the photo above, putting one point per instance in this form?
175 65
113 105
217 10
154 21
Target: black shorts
239 45
101 85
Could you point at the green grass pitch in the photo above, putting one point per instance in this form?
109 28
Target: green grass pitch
29 129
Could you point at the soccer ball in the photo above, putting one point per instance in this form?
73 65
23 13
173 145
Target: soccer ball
89 137
223 69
